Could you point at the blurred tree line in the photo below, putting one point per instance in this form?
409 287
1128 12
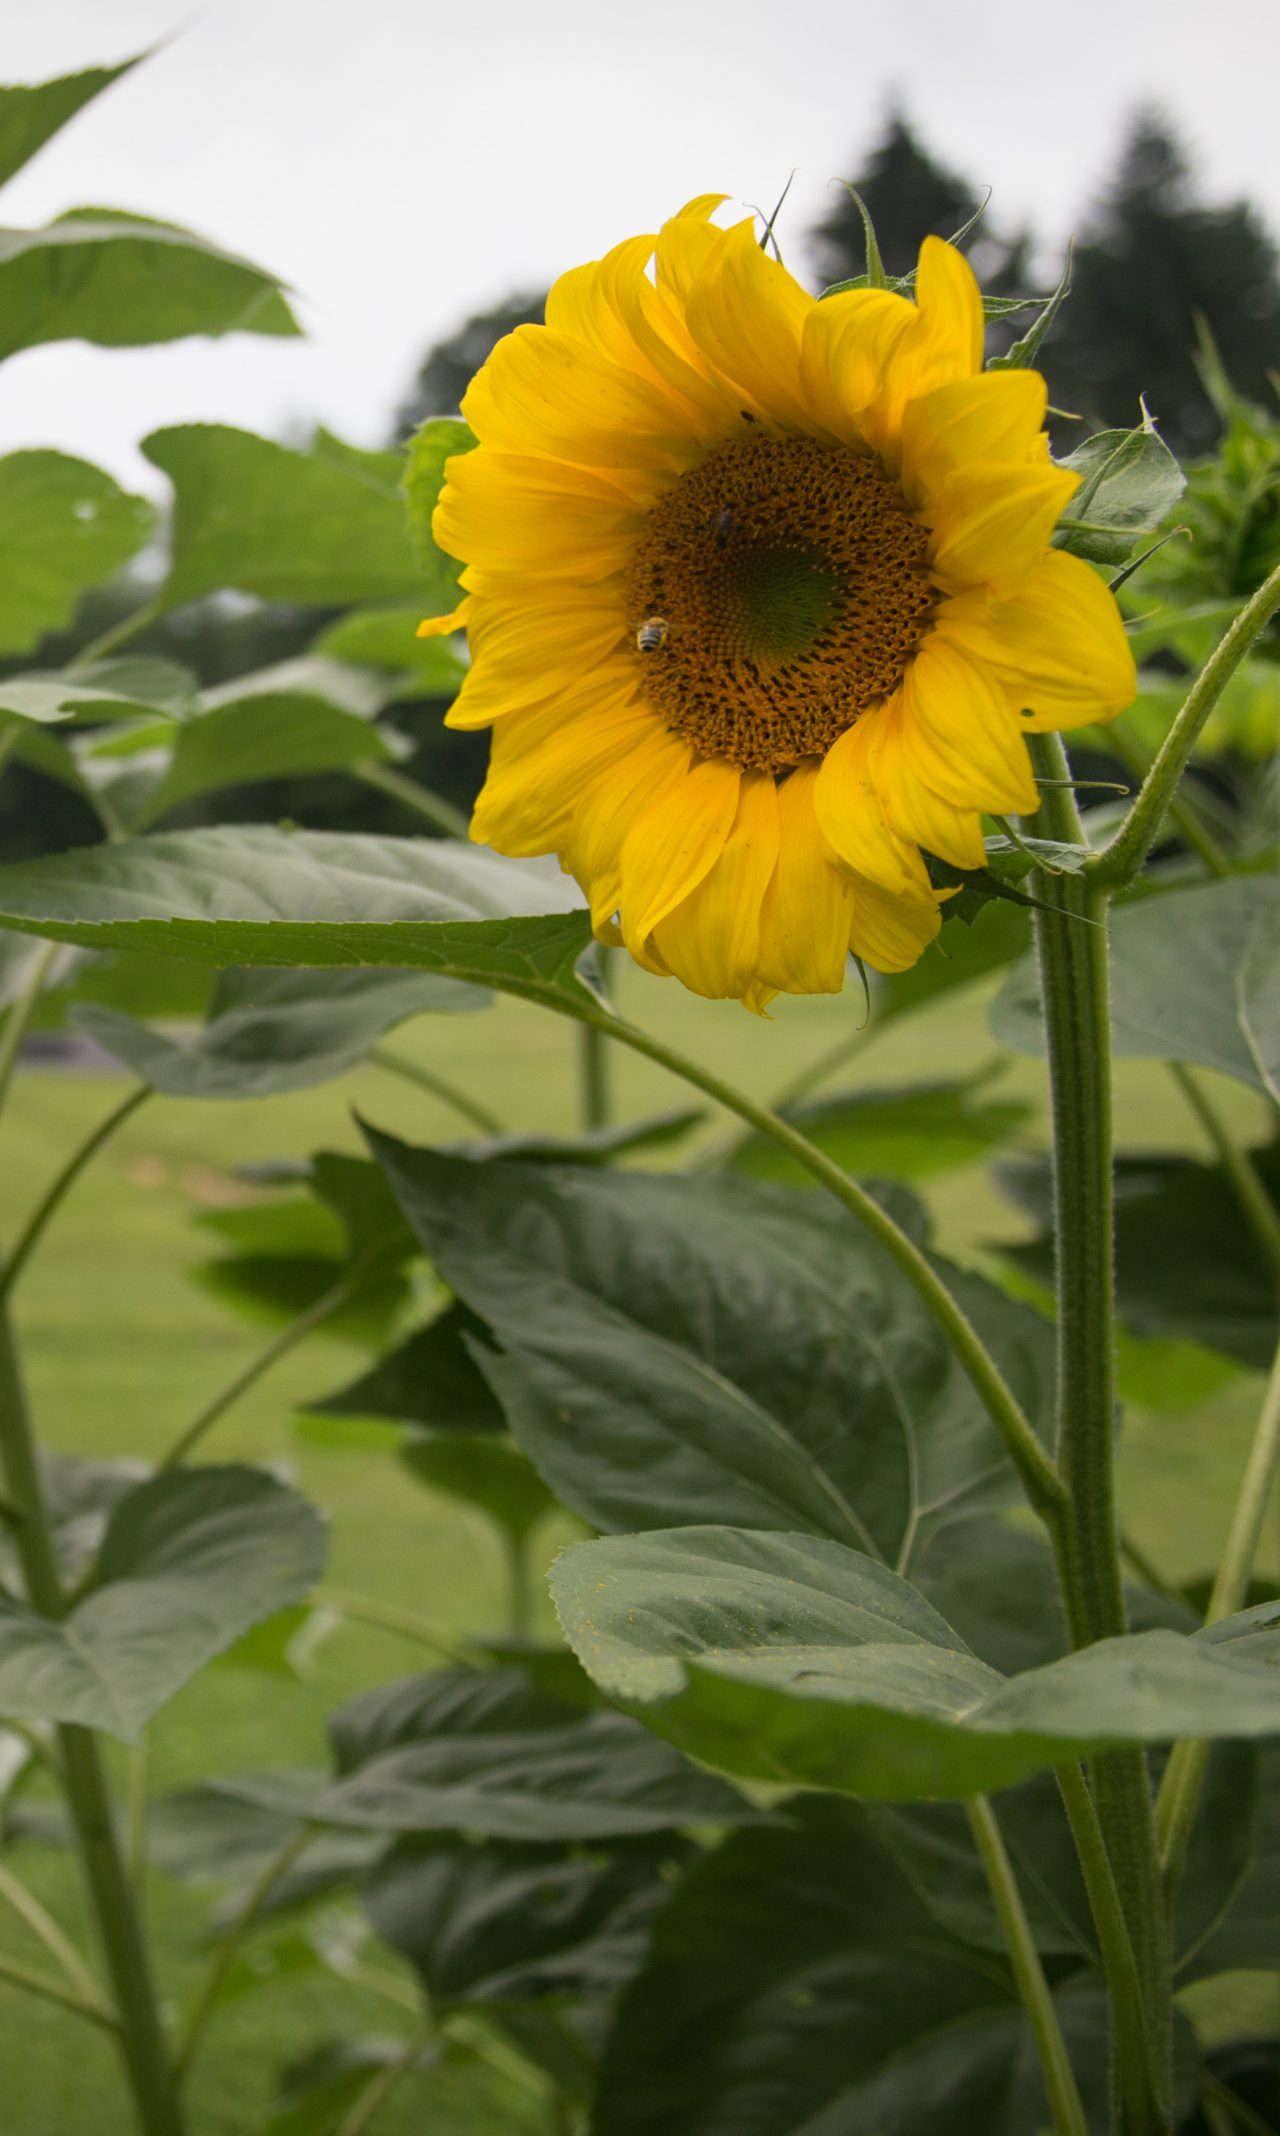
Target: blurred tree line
1152 259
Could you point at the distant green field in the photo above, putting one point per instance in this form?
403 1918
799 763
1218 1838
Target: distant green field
122 1348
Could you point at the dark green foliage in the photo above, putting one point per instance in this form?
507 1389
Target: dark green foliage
1153 258
448 368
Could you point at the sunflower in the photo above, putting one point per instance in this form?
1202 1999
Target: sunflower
761 603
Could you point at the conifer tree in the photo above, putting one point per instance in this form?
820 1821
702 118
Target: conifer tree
1153 258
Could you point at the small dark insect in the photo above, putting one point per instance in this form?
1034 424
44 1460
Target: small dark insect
652 635
724 525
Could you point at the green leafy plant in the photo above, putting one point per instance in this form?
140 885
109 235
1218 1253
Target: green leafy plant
877 1775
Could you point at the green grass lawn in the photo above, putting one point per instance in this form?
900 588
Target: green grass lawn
122 1349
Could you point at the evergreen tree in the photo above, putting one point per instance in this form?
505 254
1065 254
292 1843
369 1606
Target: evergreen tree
448 369
1152 258
910 196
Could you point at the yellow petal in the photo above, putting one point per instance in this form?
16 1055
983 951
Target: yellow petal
890 933
914 809
685 249
607 810
546 393
523 515
440 626
540 762
957 731
673 843
808 907
851 815
522 654
992 523
998 416
711 940
1058 645
848 341
747 315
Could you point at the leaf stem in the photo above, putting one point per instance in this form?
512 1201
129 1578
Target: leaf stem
1039 1477
338 1295
384 2083
1194 834
141 2035
202 2009
60 1186
1033 1989
1246 1183
426 1079
18 1022
1184 1774
118 634
49 1990
389 1617
42 1924
412 794
1120 861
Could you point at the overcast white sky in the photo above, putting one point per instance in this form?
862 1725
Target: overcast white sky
401 163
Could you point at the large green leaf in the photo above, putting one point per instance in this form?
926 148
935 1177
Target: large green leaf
274 1031
790 1657
190 1560
796 1985
102 275
509 1923
431 1379
1186 1264
907 1133
678 1348
1195 977
254 896
32 112
64 526
287 526
1246 1933
276 736
1131 482
486 1752
104 690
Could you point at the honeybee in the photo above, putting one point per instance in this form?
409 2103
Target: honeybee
723 525
652 635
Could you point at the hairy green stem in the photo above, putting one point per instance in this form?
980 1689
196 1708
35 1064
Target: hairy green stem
1131 2056
1035 1468
1184 1774
60 1186
433 808
1120 862
1243 1177
1033 1988
1071 936
206 2001
18 1022
329 1303
426 1079
141 2036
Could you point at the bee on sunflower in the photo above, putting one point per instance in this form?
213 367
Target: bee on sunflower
762 604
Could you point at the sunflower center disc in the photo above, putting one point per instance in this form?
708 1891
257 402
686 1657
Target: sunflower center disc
778 588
